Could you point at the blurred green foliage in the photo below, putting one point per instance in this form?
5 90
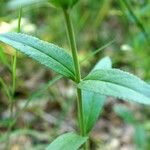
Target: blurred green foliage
64 4
96 22
140 135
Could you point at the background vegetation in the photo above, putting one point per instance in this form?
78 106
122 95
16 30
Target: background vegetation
49 110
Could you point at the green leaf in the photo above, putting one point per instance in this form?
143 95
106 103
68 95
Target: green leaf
67 141
94 102
92 106
23 131
45 53
97 51
123 112
117 83
104 63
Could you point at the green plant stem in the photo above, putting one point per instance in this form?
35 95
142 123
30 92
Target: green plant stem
14 65
13 80
73 46
19 20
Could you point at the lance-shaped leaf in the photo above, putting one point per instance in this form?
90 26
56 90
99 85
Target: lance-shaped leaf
92 106
94 102
117 83
45 53
67 141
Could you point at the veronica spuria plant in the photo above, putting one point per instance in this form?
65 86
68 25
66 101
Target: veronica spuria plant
102 81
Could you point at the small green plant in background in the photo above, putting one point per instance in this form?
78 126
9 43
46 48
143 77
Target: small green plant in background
140 138
10 89
92 90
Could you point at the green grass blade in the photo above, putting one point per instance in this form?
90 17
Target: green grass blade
97 51
5 88
42 89
35 95
103 11
19 19
137 21
18 132
4 59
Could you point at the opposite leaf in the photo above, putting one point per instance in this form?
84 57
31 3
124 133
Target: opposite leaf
117 83
94 102
68 141
92 105
45 53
